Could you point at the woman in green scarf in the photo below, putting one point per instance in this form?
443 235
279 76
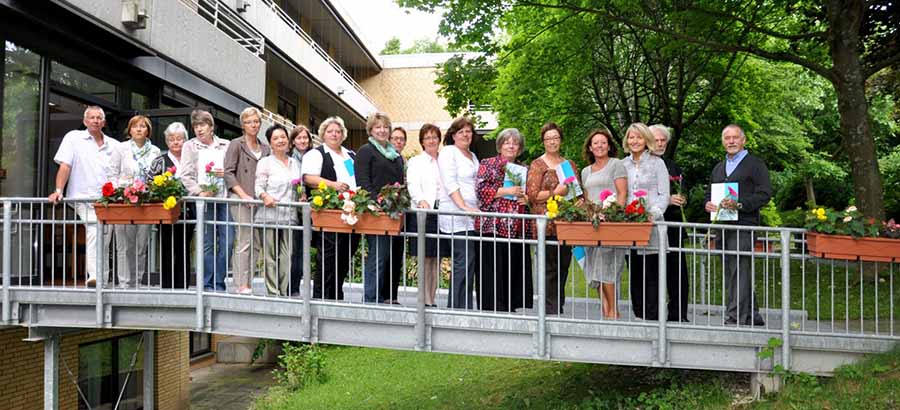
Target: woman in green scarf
378 164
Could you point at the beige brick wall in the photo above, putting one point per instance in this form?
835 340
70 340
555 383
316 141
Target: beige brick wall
21 372
407 95
173 362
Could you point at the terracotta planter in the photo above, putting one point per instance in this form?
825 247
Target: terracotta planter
606 234
146 214
329 220
848 248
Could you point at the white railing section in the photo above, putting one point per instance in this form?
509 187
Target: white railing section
226 20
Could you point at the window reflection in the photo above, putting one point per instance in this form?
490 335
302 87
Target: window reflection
85 83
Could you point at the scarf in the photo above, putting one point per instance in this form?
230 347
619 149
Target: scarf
388 152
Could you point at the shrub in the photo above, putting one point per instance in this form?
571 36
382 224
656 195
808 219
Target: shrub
301 365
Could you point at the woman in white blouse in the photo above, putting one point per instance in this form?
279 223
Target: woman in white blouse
458 167
647 173
332 164
130 163
274 177
423 179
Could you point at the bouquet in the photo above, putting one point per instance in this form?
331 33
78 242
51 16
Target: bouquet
212 186
164 188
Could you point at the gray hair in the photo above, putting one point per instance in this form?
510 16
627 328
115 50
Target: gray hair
250 111
175 128
663 129
94 108
511 133
735 127
333 120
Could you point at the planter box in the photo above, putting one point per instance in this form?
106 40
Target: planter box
146 214
848 248
606 234
329 220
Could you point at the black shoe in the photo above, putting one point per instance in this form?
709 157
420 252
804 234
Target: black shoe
757 321
730 321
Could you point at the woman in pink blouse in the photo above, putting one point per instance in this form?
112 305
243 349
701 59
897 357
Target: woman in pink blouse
504 277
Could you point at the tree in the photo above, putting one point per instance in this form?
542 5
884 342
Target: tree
844 41
392 46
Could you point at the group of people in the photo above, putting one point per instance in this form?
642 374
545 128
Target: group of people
446 175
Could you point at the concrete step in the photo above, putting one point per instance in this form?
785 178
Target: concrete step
239 349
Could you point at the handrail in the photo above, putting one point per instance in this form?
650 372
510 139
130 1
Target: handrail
227 21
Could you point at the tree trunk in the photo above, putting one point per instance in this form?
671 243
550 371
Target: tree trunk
810 191
849 83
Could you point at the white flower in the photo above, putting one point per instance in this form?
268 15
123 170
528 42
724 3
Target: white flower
349 218
609 201
851 209
848 218
373 208
349 206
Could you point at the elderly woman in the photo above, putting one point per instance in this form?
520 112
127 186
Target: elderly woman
504 283
241 158
302 140
175 238
423 179
218 236
331 164
458 167
130 164
676 264
647 173
603 266
543 182
398 139
274 177
379 164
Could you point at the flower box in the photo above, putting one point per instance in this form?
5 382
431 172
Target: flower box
144 214
329 220
605 234
849 248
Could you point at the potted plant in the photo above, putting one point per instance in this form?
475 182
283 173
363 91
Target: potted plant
580 222
141 203
356 212
851 236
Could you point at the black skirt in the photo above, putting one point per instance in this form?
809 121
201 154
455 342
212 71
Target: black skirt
431 244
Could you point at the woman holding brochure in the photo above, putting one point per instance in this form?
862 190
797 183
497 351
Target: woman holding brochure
504 279
604 183
550 175
647 178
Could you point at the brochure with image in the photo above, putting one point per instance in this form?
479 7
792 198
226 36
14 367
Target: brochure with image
718 193
566 175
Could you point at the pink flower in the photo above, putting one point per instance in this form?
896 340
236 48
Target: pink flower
640 193
172 170
209 166
732 192
139 185
605 194
295 181
133 199
569 180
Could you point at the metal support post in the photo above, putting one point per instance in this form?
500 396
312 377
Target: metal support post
662 231
420 297
786 299
306 320
542 286
101 278
51 372
198 250
7 262
149 369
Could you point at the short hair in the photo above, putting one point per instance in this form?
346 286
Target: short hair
401 129
457 125
176 128
199 116
736 127
376 117
90 108
295 132
551 126
271 131
644 132
511 133
663 129
588 155
426 128
333 120
138 119
250 111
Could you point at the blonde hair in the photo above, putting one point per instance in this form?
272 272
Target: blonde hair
250 111
374 119
644 132
134 121
333 120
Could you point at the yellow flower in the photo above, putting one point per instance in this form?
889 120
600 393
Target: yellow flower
159 180
820 214
322 185
557 197
318 201
821 217
552 206
551 215
168 174
170 202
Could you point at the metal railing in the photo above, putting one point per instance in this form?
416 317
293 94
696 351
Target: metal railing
226 20
712 277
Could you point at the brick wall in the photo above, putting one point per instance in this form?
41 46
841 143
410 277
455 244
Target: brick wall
173 390
21 372
407 95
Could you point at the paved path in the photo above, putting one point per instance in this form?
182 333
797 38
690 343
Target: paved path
228 386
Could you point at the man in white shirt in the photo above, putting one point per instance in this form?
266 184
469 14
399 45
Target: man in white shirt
84 159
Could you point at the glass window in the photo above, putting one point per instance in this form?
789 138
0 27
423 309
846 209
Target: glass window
139 101
21 113
83 82
105 367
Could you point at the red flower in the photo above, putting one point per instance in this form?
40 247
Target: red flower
635 208
108 189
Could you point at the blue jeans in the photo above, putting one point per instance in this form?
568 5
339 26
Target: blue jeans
218 241
383 268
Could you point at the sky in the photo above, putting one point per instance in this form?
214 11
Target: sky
379 20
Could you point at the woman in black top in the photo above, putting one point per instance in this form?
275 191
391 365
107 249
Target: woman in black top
378 164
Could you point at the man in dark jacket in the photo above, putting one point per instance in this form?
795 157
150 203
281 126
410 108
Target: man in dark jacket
754 192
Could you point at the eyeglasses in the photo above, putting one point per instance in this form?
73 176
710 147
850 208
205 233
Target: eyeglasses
549 139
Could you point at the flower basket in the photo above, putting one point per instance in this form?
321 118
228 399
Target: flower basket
846 247
144 214
329 220
605 234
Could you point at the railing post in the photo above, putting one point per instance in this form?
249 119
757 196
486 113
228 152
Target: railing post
51 372
99 272
7 263
198 251
542 286
786 299
420 297
306 320
662 231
